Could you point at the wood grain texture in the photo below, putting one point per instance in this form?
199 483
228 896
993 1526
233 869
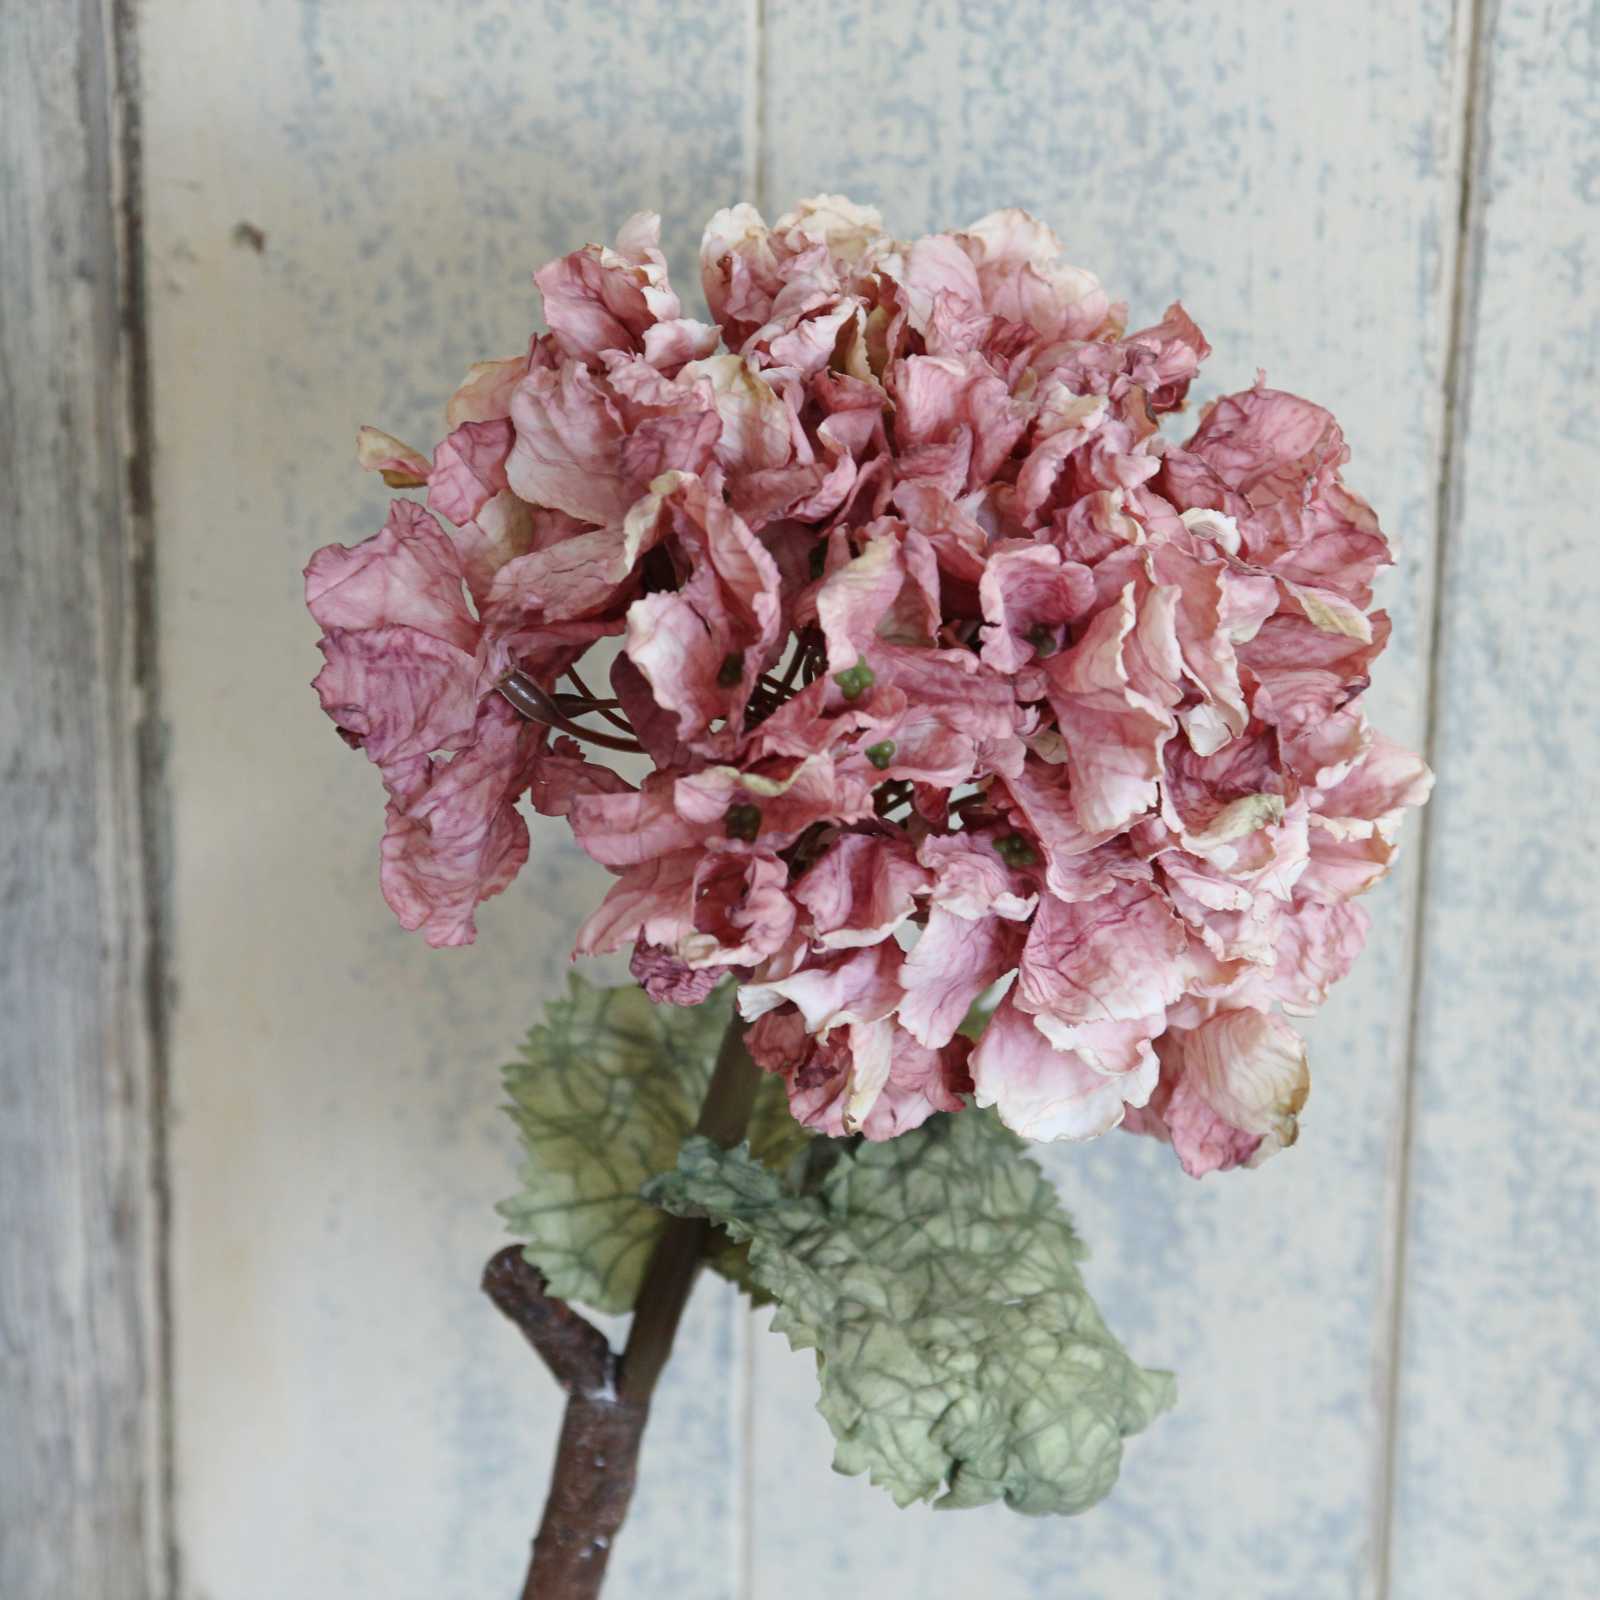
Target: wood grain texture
1291 171
80 1480
1498 1486
346 203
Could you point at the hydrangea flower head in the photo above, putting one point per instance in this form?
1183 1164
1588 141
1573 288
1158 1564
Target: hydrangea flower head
951 668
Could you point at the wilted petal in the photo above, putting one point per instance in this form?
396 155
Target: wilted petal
1114 732
669 981
861 889
568 451
397 693
461 839
861 986
1044 1093
407 575
401 467
1023 278
469 469
953 961
1028 593
742 910
1110 959
1240 1081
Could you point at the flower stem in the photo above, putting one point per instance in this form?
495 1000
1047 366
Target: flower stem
609 1396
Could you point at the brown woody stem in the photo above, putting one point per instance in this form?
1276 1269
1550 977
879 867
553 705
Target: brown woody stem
609 1396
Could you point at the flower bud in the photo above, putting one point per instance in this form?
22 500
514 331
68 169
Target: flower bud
854 681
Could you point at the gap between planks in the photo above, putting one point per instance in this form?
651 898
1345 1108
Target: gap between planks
1466 278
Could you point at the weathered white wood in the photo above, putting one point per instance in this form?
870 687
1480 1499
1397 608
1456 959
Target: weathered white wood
1290 170
1498 1485
346 203
80 1415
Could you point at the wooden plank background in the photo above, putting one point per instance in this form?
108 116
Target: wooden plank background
1385 1339
81 1493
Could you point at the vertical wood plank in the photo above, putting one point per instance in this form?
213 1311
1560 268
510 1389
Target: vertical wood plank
346 203
80 1478
1291 171
1497 1487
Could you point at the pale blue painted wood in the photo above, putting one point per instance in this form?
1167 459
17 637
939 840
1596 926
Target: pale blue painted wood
353 1418
1291 172
1498 1478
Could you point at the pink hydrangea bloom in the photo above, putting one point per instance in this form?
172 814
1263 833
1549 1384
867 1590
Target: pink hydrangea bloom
953 671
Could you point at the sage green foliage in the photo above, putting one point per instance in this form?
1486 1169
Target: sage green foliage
604 1092
935 1275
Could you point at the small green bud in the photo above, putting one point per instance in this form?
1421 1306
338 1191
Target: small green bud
1015 850
742 821
1043 639
731 670
881 754
854 681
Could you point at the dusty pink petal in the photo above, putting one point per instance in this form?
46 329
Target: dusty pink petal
669 345
1354 823
702 647
1272 461
1113 1048
469 469
1110 959
625 830
1043 802
1022 277
953 961
1376 794
861 889
1342 866
1114 729
400 466
485 393
562 774
958 541
1028 593
1050 480
589 572
568 451
504 528
669 981
739 271
754 421
1240 1081
652 901
918 1082
849 232
855 599
680 657
856 986
1202 617
654 726
396 693
1165 358
1317 946
408 575
815 789
1044 1093
937 267
971 880
461 839
821 1079
945 400
599 299
742 910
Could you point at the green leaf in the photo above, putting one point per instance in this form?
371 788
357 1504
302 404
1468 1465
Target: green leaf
603 1094
936 1278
